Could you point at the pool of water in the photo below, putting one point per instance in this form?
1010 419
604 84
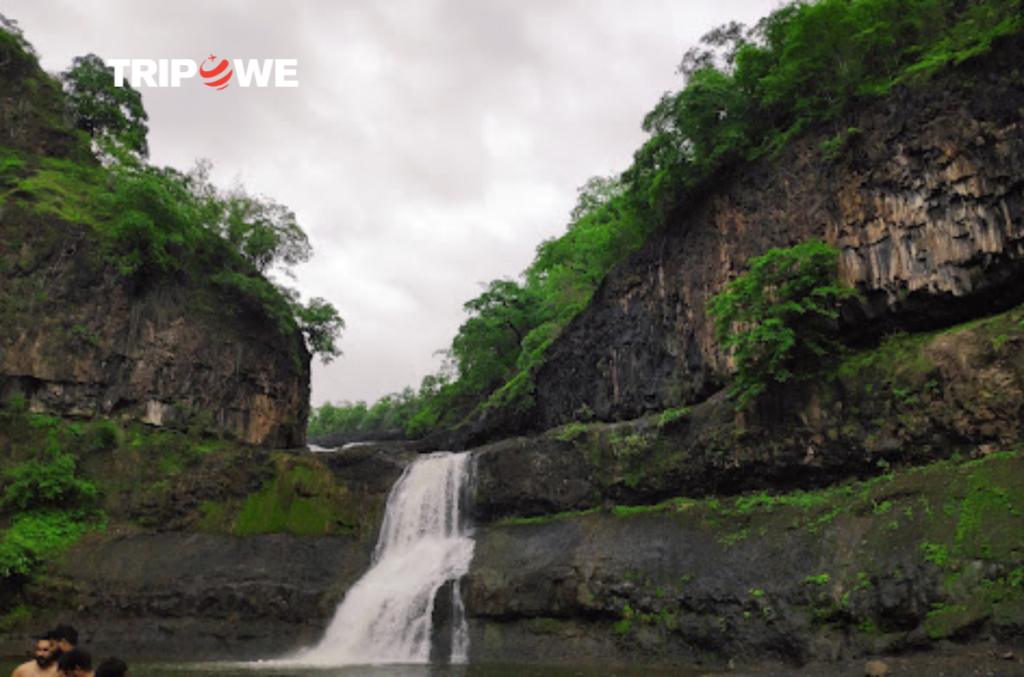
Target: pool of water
985 660
156 669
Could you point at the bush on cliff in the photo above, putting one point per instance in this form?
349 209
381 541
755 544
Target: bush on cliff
48 507
778 318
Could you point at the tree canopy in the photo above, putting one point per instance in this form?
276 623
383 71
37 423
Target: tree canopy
113 116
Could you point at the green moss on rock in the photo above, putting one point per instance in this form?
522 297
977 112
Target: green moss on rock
303 498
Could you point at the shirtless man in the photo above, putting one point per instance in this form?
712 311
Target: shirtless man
45 662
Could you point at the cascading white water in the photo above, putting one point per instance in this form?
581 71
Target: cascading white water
424 543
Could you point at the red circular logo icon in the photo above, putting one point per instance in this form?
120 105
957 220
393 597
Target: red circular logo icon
217 74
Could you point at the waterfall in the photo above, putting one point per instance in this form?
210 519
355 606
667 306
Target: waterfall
425 541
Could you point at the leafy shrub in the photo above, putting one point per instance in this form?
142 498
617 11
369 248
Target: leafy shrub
100 436
832 149
572 432
778 319
156 226
35 485
39 535
10 168
50 509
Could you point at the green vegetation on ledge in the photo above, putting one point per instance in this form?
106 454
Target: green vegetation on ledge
61 479
955 522
302 498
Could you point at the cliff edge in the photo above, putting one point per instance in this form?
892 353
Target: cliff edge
78 336
925 203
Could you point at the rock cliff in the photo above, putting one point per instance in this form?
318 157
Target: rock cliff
78 338
239 553
887 566
926 204
637 541
913 400
82 341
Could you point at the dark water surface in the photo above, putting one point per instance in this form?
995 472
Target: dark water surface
984 660
148 669
242 670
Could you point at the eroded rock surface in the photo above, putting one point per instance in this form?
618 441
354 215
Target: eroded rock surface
881 567
926 207
78 340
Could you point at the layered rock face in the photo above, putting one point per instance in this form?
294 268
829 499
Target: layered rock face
810 578
208 595
186 588
82 341
78 338
926 206
913 401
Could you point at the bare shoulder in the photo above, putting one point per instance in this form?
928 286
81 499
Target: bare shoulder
32 669
25 670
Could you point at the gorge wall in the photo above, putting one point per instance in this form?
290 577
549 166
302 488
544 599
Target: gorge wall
242 553
625 542
893 565
799 531
79 338
926 205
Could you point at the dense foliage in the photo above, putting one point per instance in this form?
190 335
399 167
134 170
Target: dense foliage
45 504
113 116
778 319
749 91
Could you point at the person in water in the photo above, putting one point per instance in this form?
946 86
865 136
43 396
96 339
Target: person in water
112 667
44 664
65 637
75 663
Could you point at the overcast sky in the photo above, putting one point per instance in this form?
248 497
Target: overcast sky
430 145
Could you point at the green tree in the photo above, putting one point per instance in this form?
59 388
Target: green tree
12 31
264 232
321 325
333 418
113 116
488 344
779 318
567 269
